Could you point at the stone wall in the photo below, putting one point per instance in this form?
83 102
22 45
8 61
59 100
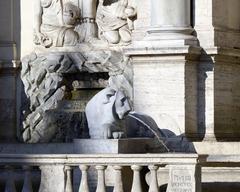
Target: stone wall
9 56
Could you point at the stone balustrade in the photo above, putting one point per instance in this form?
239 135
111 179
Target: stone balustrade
57 172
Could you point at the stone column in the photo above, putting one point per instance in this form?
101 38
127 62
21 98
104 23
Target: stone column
170 13
171 20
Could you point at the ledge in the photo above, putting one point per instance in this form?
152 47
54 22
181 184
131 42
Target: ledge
101 159
12 65
148 48
234 52
217 148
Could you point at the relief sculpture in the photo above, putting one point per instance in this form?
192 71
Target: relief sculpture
55 21
114 19
59 23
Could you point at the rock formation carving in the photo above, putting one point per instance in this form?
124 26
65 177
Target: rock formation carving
43 73
44 85
104 113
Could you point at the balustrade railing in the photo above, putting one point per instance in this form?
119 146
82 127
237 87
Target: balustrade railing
57 171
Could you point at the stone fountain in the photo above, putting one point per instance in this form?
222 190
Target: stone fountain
78 83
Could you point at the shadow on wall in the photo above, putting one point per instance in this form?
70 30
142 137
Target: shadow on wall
218 72
205 95
221 187
204 88
218 111
10 39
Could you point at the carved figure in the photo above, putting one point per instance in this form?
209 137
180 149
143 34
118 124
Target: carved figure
54 23
105 111
114 19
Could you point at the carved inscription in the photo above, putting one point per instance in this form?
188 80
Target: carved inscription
181 181
72 106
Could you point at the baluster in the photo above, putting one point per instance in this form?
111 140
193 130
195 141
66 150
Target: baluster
84 180
10 184
118 185
153 187
136 185
27 186
101 178
68 184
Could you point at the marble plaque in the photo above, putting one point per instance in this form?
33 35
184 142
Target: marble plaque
182 179
71 105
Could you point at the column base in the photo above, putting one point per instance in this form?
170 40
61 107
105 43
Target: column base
171 36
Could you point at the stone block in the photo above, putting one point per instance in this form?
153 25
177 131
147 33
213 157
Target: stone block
7 110
217 23
115 146
8 132
7 87
165 86
5 20
213 178
226 97
52 178
43 148
218 94
184 178
8 51
7 120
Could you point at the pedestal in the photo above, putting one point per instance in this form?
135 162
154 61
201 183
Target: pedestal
165 68
165 85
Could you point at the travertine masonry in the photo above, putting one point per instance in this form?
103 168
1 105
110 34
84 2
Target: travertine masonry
166 89
217 23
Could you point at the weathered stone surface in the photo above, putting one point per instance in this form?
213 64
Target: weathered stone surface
216 23
48 79
113 146
115 21
52 178
217 95
105 112
50 31
7 85
7 120
173 92
184 178
37 148
7 110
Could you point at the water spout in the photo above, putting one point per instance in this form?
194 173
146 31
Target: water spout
150 124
